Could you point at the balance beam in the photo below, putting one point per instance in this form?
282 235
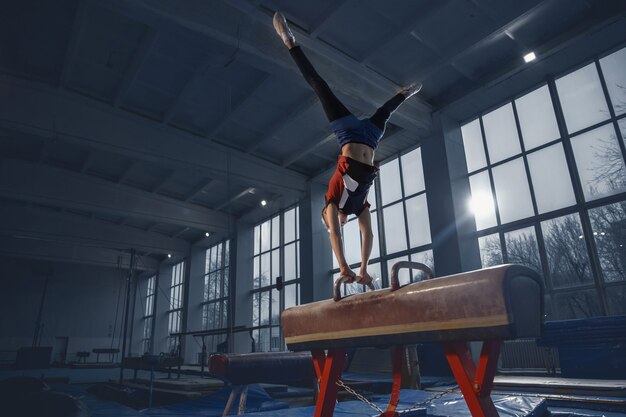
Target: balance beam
488 305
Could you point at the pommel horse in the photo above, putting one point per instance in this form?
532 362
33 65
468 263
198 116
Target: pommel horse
489 305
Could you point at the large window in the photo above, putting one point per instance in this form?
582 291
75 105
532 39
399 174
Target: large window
548 183
176 307
215 299
148 315
276 254
399 221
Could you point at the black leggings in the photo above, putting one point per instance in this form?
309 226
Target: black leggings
333 107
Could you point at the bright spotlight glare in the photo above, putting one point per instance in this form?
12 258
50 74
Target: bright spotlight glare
529 57
481 204
263 203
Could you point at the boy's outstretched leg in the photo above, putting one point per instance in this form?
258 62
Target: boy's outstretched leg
333 107
382 115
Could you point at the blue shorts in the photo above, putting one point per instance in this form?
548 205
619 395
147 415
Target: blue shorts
349 129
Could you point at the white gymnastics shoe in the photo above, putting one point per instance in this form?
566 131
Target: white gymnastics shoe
411 90
281 27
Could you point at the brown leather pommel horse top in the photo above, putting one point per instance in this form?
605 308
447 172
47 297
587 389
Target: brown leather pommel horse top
503 302
488 305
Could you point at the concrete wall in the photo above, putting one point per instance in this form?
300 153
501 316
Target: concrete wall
80 305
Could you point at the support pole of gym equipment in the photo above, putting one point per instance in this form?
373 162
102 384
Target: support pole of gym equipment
131 270
38 324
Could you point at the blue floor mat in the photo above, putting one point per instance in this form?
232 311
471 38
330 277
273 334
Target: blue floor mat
426 381
453 404
572 412
96 407
586 402
450 405
214 403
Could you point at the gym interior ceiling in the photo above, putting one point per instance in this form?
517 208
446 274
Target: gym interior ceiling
148 123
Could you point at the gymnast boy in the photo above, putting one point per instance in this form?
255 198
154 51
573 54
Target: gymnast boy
355 172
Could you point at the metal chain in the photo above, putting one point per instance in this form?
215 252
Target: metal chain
414 407
427 401
359 396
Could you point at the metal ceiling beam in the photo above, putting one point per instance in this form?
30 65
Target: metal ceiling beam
212 131
325 157
60 252
469 45
127 172
348 75
432 48
73 42
87 162
544 52
234 198
357 102
404 30
280 124
316 28
301 154
198 189
338 58
498 20
180 232
34 108
26 181
45 149
198 73
35 223
163 182
153 226
131 73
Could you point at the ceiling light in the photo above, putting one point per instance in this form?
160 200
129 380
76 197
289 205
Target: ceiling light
207 234
169 255
263 203
529 57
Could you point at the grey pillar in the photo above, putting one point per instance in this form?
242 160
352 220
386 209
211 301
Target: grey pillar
455 249
315 253
138 312
162 306
194 302
241 297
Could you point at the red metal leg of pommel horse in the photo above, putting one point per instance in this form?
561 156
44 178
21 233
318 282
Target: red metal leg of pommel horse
475 381
328 368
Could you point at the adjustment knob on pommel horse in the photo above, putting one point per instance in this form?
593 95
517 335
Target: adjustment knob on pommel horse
489 305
